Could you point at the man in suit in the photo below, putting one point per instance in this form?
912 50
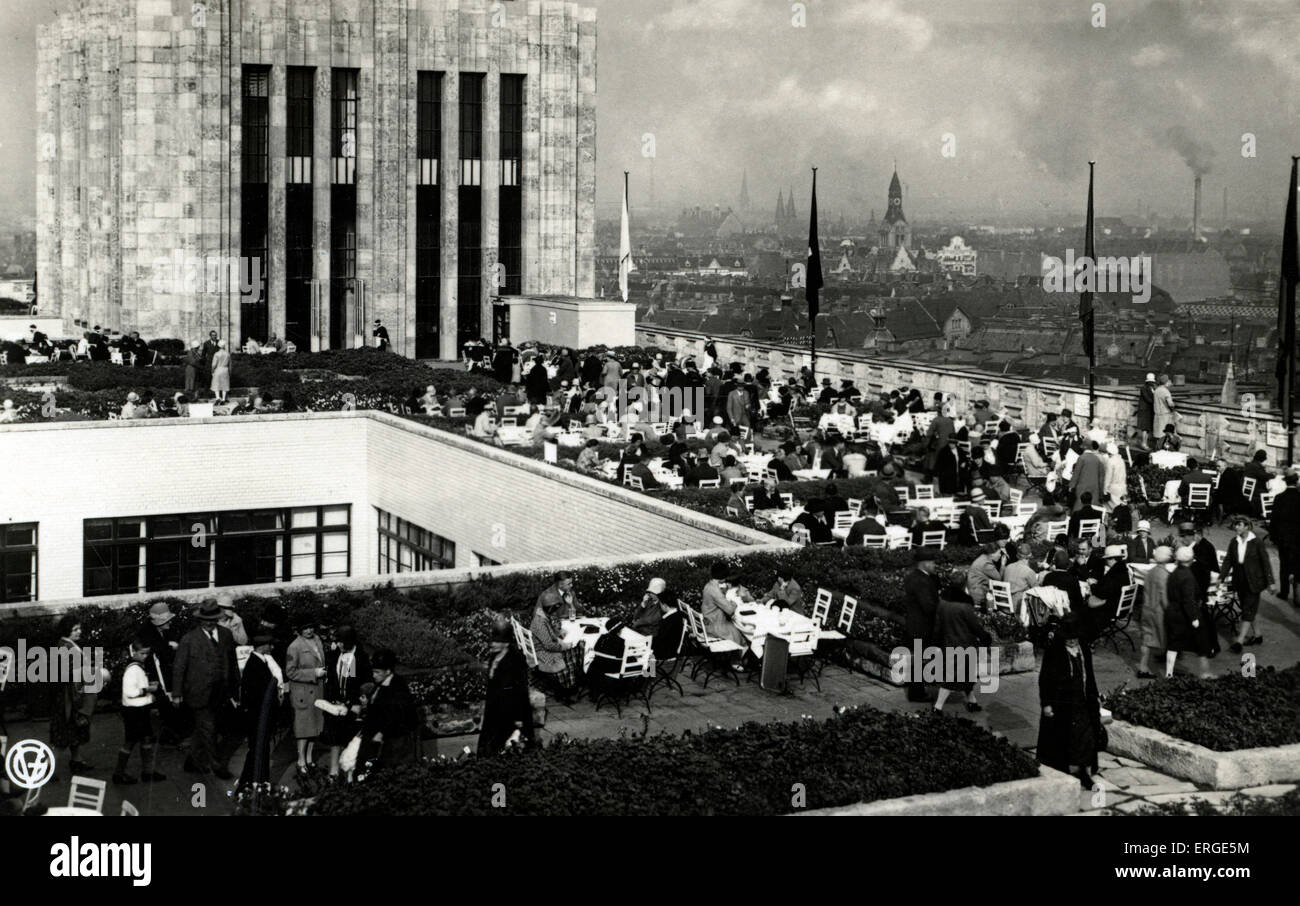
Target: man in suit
1008 446
1194 475
1247 565
207 681
869 526
1085 511
1257 470
1140 547
921 603
975 522
380 335
1089 475
923 523
210 346
1284 529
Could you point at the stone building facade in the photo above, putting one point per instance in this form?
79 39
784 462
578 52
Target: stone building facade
352 159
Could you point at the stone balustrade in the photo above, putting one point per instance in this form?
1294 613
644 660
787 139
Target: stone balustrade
1206 429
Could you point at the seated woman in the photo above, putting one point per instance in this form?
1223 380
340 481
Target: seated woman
717 609
767 497
1171 440
731 470
589 461
557 660
785 591
813 519
485 425
737 499
429 403
652 609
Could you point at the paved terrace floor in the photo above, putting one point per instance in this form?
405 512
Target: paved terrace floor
1012 711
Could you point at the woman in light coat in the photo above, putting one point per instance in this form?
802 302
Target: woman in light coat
1116 481
1155 595
717 610
1166 412
305 669
221 371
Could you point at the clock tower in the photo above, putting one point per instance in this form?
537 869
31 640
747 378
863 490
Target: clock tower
894 230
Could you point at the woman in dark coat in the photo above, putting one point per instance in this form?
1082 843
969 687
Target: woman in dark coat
538 384
348 668
71 705
259 707
507 708
957 629
1069 730
1183 613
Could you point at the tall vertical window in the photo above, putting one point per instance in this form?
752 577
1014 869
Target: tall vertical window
469 240
343 125
299 110
510 199
343 205
255 114
18 563
428 216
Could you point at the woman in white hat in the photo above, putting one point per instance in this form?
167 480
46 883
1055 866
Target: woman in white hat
1115 484
1155 597
221 371
652 609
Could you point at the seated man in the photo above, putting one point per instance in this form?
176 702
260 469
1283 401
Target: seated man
485 425
731 470
641 469
767 497
785 591
974 526
429 401
1086 567
273 344
813 518
786 461
737 499
1086 511
869 526
923 524
986 567
696 470
833 502
1194 475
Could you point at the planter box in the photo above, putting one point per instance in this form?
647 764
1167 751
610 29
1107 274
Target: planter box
1217 770
1013 657
1050 793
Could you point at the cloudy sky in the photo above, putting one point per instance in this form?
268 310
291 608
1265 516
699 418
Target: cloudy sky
1029 91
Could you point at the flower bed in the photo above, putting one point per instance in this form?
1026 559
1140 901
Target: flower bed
862 755
1264 710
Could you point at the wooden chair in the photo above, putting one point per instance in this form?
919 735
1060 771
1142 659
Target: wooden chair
1266 504
875 542
848 610
787 498
844 519
129 810
1000 597
1198 496
903 492
925 492
821 606
1248 489
87 792
524 638
1089 528
710 483
1056 529
855 506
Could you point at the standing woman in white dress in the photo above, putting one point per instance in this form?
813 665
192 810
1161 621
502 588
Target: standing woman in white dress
221 371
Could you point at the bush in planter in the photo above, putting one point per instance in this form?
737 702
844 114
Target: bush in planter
1264 709
394 625
862 755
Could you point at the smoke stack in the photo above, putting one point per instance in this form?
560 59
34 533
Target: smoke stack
1225 207
1196 208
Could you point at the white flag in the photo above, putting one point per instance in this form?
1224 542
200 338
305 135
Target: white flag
625 263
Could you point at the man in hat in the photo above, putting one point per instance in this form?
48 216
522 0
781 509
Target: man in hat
1051 431
1284 529
1146 410
1205 559
158 633
391 720
131 408
1246 566
920 604
207 682
261 691
380 334
1140 547
974 527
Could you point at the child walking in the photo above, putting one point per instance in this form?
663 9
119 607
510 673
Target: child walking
137 698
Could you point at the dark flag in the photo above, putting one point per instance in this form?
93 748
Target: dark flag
1085 298
814 277
1286 307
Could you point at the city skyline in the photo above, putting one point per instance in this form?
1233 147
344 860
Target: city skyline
979 120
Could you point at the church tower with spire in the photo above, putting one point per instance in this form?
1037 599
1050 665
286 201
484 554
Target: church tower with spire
744 190
894 231
780 210
789 207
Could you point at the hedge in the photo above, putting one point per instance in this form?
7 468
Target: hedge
1239 806
1224 714
862 755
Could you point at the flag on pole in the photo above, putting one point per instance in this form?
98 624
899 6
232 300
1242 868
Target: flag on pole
813 282
1286 305
625 263
1086 315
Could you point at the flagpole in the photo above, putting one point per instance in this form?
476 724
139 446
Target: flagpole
1288 290
1092 314
813 315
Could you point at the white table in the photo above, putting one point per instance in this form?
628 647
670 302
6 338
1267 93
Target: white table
579 631
758 621
812 474
1169 459
71 811
780 518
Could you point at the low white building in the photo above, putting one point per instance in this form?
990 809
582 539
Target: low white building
957 258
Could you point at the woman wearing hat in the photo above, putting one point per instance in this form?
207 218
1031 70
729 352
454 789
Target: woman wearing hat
1069 730
221 371
73 702
717 609
305 669
160 635
231 620
652 609
347 667
1183 614
1155 598
507 712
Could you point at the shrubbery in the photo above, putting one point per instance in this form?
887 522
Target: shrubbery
1223 714
862 755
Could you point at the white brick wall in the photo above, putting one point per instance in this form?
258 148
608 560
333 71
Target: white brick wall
57 475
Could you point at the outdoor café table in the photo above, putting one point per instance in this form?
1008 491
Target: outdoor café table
897 535
1169 459
589 629
571 440
512 437
842 423
664 475
780 518
71 811
754 463
758 621
1015 523
812 474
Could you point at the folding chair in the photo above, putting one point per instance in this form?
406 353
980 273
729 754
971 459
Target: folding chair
458 412
1119 625
129 810
848 610
1248 489
801 535
788 499
1017 498
1089 528
667 668
876 542
1265 507
714 654
749 503
88 793
631 677
844 519
1000 597
803 651
934 539
903 492
633 481
733 512
821 606
1198 496
855 506
1056 529
524 638
925 492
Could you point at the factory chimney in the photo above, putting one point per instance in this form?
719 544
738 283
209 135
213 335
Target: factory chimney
1196 208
